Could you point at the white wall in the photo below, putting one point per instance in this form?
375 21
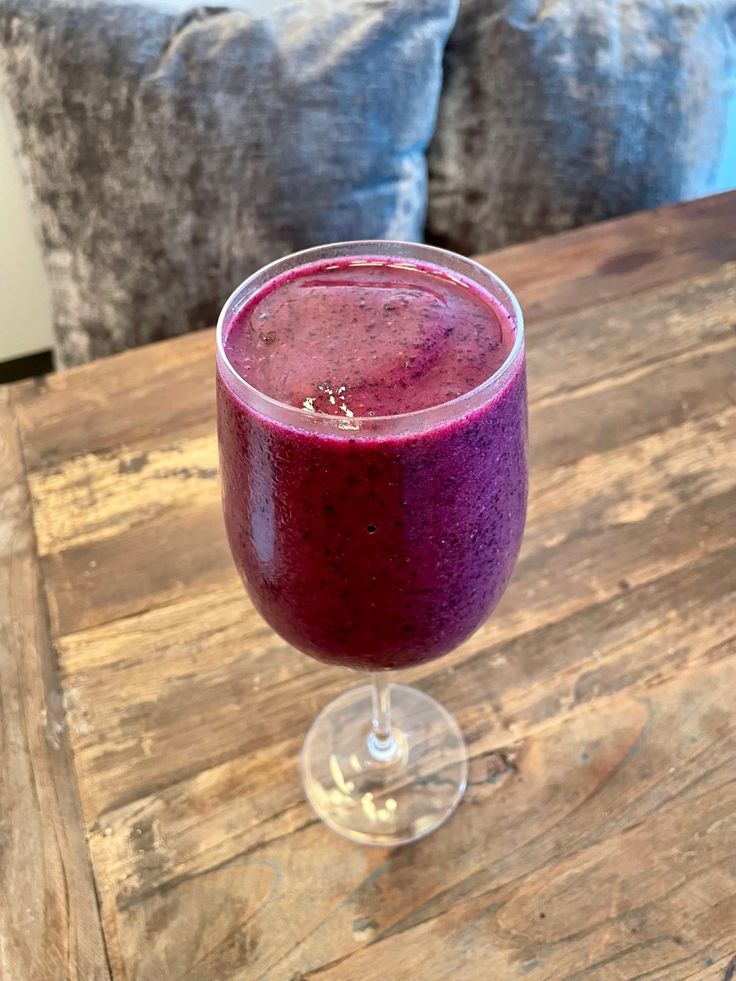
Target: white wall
25 306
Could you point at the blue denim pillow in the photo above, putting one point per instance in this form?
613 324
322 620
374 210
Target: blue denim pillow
171 149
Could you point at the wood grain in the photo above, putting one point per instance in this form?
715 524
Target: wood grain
49 921
619 258
576 797
182 367
597 838
554 276
243 668
95 506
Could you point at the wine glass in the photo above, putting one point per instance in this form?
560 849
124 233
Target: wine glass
374 541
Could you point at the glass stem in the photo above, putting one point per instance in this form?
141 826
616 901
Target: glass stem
382 743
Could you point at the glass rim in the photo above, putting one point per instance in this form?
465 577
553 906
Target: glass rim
452 264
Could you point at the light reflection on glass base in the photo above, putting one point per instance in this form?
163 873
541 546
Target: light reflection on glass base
384 803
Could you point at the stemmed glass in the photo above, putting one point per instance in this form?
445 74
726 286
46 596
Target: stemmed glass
377 543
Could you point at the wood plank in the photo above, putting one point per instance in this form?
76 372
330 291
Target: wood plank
96 506
609 260
577 522
597 837
94 496
165 388
554 276
49 920
597 348
590 807
518 690
99 497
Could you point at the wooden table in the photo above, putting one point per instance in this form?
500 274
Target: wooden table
153 825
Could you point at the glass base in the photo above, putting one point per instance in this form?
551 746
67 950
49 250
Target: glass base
376 801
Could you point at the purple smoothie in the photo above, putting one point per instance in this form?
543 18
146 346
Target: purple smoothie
361 547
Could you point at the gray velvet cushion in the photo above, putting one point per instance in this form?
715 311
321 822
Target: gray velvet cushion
172 149
559 112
